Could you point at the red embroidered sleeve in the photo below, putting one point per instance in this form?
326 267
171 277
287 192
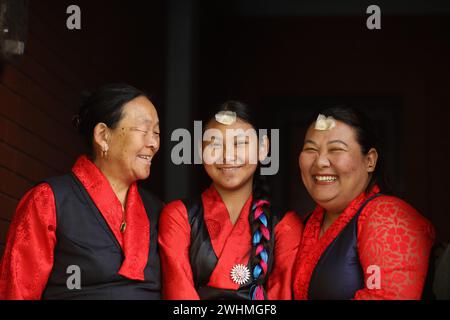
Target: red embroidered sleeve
28 256
174 240
288 233
394 242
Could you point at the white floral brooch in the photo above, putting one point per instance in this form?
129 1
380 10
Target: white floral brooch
240 274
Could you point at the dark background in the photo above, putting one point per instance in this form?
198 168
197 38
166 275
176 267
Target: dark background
285 58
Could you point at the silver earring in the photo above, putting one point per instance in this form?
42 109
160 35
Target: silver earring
105 150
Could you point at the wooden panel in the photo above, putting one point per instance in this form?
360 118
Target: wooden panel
13 185
27 88
41 75
24 165
20 111
33 146
7 206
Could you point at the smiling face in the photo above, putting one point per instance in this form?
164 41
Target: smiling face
230 164
333 167
133 142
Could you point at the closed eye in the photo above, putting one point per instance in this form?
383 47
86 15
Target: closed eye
337 150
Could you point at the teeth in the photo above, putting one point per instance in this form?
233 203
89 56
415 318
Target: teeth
145 157
325 178
229 169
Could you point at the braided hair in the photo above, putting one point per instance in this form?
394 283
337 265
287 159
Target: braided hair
260 218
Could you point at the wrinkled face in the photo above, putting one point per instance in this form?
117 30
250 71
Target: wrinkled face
332 166
230 154
134 141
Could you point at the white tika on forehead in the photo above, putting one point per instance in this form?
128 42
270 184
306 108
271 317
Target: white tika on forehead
226 117
324 123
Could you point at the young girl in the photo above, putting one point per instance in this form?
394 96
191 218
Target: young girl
229 243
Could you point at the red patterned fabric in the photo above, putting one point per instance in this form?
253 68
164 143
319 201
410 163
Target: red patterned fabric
391 235
288 234
231 243
28 255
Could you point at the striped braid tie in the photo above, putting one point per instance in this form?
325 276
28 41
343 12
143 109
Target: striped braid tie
257 291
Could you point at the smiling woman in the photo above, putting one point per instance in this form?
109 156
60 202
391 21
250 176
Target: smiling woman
229 243
358 243
95 219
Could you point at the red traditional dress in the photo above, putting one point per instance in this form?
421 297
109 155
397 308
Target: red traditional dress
231 246
81 228
393 242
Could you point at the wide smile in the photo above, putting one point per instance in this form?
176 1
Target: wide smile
322 179
146 158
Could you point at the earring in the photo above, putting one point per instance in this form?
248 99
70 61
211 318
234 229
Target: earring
104 150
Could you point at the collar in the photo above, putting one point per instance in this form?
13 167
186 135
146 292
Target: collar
135 241
313 247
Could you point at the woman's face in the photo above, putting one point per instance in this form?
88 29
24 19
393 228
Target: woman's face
231 164
134 141
333 168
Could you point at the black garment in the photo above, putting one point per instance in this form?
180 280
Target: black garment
203 258
339 274
84 239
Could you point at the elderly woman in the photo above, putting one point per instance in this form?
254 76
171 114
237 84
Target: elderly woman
91 234
357 243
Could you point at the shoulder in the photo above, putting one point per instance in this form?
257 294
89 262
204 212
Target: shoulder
175 205
174 210
391 212
38 202
290 222
58 183
40 193
42 188
173 219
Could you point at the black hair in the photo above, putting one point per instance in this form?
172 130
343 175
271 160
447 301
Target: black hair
105 104
261 199
367 139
